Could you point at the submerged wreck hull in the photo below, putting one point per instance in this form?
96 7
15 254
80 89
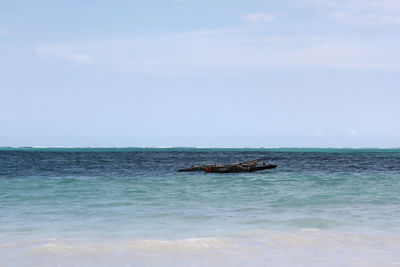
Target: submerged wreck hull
229 169
248 166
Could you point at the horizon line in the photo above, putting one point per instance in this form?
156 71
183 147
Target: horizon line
188 147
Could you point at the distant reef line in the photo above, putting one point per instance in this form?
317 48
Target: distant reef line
178 148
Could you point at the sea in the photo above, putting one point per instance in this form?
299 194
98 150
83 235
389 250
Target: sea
130 207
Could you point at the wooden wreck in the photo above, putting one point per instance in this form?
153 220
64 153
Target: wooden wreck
248 166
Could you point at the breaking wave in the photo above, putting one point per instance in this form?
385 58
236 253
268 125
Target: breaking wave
305 247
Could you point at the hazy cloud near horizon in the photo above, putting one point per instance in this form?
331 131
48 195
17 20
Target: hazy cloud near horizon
209 51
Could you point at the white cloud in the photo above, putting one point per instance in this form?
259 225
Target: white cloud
358 5
361 12
366 19
261 17
233 49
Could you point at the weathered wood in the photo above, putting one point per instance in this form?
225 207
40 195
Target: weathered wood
240 168
248 166
194 168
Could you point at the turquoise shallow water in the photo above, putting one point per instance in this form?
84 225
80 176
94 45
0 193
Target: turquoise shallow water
73 205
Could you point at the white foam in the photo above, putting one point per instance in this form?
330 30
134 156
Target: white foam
306 247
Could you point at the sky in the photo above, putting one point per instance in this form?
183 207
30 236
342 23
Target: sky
271 73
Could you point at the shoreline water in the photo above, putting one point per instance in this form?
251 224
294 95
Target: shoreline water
303 247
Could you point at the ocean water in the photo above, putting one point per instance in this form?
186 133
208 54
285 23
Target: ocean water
129 207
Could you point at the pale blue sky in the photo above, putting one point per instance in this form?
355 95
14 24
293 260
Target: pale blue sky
200 73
